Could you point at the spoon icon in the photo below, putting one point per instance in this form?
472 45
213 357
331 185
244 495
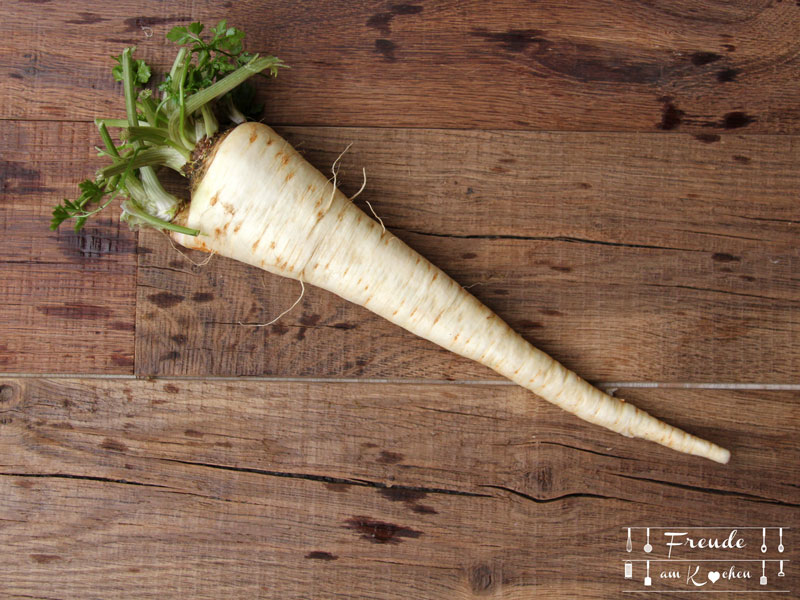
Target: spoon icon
647 547
780 545
764 540
629 544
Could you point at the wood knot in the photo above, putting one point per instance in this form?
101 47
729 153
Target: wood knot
481 579
7 393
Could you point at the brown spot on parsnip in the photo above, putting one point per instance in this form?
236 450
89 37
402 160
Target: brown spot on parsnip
285 160
253 135
255 245
272 245
214 199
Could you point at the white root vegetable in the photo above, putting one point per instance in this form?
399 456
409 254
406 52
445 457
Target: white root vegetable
259 202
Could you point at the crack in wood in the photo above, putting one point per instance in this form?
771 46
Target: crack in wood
595 452
85 478
329 479
459 412
715 291
555 498
703 490
542 238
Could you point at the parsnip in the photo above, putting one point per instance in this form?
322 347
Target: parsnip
258 201
263 204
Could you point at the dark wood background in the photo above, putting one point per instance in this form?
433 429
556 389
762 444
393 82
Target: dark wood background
618 180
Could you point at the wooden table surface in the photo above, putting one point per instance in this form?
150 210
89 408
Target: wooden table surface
617 179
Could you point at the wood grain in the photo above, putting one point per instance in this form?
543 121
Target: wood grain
175 488
67 300
632 65
627 257
616 179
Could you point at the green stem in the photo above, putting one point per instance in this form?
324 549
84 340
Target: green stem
227 83
199 99
153 156
181 129
106 137
133 208
209 121
128 87
158 136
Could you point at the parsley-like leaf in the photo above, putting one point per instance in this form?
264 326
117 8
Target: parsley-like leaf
141 71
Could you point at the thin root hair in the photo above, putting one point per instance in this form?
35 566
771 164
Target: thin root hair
335 172
202 263
288 310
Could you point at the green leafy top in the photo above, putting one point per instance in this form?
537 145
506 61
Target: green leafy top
164 123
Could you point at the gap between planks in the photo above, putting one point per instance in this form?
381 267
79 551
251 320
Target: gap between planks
688 385
737 133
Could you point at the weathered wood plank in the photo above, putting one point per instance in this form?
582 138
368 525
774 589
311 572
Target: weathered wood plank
66 300
622 66
198 489
628 257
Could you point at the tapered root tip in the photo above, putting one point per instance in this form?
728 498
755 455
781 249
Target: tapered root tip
720 455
